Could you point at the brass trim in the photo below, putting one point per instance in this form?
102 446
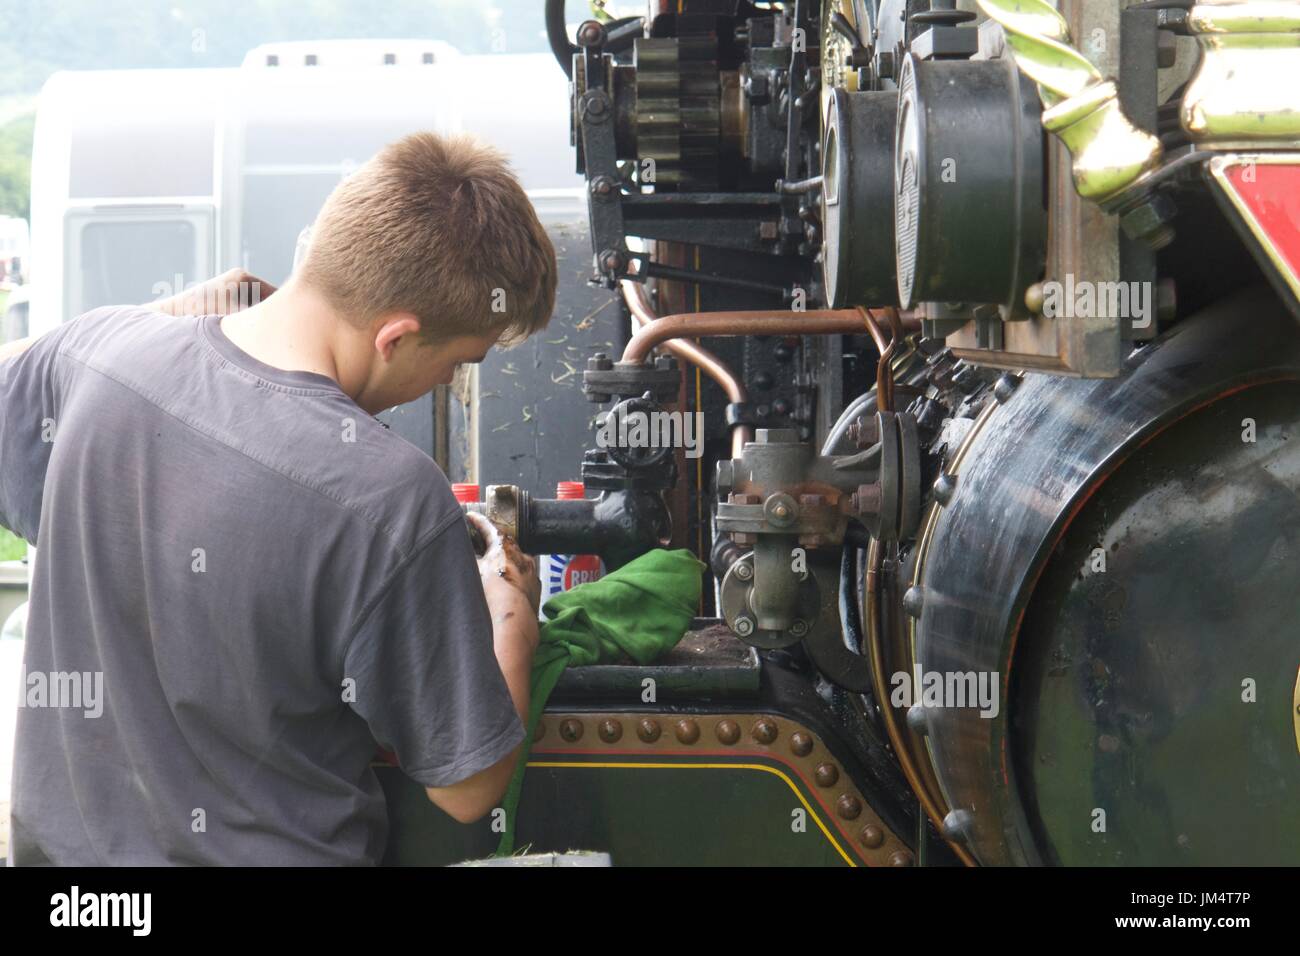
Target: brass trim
1240 92
1082 107
836 805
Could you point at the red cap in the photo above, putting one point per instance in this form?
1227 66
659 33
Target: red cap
464 491
565 490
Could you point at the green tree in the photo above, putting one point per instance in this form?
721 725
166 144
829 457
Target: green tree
15 167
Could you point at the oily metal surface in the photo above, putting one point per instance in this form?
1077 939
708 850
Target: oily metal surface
1027 472
1153 683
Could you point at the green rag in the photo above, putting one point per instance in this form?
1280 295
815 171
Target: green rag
639 611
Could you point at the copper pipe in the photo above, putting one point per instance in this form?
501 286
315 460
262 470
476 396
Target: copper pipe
638 303
769 322
884 368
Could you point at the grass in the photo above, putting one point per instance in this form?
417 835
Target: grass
12 547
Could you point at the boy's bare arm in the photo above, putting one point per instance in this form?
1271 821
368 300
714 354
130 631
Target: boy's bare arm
16 347
231 291
512 599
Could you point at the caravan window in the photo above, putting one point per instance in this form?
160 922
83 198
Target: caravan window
119 259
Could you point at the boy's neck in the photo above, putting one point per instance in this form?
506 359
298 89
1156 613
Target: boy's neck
297 330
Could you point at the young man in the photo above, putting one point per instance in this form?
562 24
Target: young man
243 580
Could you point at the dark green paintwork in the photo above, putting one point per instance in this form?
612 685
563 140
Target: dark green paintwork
641 817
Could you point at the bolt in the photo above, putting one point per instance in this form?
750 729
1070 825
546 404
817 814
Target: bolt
595 104
744 626
864 432
591 33
571 730
1150 221
871 836
728 732
648 730
900 858
610 730
867 499
966 379
744 571
799 627
781 509
1005 387
801 743
826 774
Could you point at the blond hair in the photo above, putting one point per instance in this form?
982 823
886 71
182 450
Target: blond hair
437 226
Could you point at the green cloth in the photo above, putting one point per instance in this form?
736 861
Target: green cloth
639 611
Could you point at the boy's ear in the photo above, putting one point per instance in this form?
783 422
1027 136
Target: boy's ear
391 329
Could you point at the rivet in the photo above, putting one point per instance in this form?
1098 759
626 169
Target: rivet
728 731
610 730
848 806
916 719
764 731
539 731
872 836
900 858
913 599
826 774
801 743
571 730
688 731
648 730
744 626
957 825
944 488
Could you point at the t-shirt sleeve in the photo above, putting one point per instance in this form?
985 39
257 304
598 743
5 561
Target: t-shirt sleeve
29 405
426 676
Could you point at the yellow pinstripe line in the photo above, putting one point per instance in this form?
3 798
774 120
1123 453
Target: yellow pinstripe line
709 766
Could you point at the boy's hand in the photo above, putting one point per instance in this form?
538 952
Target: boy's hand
232 291
503 568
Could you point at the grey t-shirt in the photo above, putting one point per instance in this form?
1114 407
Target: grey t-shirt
242 582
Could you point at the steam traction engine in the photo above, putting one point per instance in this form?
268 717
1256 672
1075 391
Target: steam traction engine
993 310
